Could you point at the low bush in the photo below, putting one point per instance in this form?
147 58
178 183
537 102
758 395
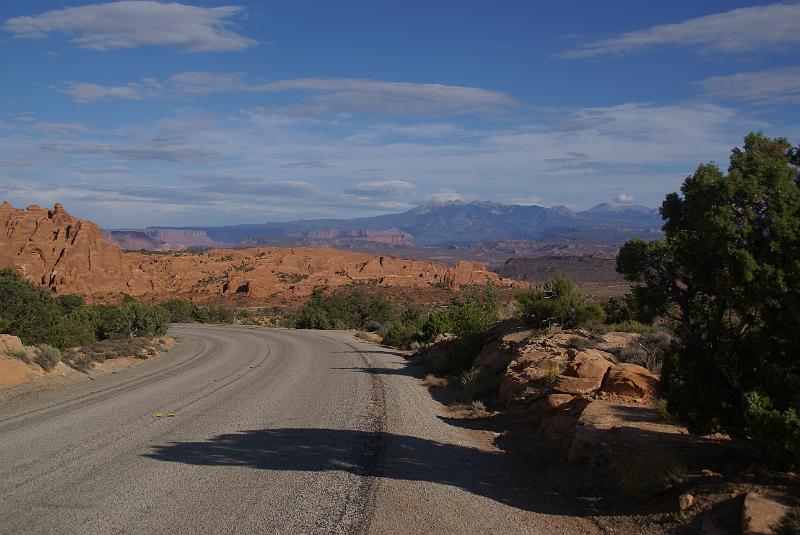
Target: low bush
47 357
559 302
20 353
649 350
344 308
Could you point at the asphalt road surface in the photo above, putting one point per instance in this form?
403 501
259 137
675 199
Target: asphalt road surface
262 431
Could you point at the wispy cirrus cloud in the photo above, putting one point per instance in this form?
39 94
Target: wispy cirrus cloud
130 24
342 95
739 30
780 85
314 96
85 92
151 149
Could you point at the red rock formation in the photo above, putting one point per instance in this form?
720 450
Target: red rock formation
60 252
69 255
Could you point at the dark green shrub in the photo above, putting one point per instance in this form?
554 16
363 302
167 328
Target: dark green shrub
344 308
180 311
726 277
70 302
80 327
400 334
29 311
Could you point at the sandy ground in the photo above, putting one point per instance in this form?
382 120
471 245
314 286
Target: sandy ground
18 379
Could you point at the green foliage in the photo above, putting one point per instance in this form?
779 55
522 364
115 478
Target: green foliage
70 302
466 314
30 312
344 308
727 275
34 315
778 431
80 327
181 311
47 357
559 302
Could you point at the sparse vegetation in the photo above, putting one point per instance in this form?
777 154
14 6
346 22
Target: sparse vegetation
648 350
47 357
650 473
434 381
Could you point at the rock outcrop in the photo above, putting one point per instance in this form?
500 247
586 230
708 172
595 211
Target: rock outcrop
571 385
61 252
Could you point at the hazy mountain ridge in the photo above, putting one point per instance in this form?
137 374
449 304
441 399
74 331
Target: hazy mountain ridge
449 223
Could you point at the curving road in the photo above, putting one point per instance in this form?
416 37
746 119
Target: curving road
274 431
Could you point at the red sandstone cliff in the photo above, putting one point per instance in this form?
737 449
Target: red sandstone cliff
60 252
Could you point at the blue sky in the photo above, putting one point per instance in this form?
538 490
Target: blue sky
139 113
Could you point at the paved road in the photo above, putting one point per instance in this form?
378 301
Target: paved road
273 431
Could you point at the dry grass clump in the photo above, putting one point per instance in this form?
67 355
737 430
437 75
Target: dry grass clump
434 381
21 353
369 337
47 357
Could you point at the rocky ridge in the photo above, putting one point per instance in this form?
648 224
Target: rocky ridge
68 255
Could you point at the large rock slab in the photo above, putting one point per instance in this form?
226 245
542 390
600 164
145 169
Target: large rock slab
761 515
9 343
620 428
630 380
615 342
566 384
589 363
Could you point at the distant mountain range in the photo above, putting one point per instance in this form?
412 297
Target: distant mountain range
430 225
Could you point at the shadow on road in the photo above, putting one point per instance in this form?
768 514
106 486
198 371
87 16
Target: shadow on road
360 452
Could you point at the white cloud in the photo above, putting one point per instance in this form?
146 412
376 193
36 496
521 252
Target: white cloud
445 195
130 24
384 188
624 198
344 95
739 30
200 83
84 92
770 85
328 96
54 128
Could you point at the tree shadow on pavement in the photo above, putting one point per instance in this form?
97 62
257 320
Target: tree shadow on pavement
376 454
